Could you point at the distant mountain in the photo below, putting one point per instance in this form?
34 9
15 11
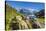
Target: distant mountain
25 12
41 13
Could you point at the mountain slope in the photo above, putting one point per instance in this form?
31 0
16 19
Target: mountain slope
13 17
10 12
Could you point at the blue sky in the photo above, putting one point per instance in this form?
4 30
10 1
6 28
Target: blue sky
32 5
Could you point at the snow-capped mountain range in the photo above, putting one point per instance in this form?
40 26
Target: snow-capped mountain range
27 11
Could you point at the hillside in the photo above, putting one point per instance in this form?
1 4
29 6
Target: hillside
9 13
13 17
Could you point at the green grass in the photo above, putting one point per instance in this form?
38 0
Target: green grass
10 12
41 20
